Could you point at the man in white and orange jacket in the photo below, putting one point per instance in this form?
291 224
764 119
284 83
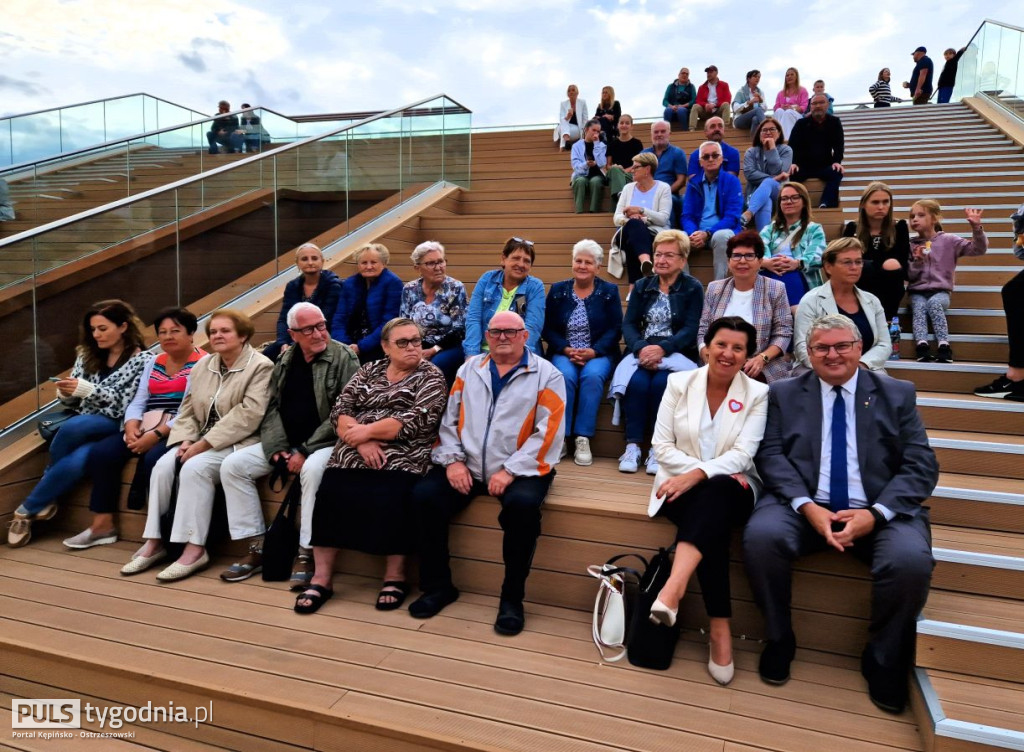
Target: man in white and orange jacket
501 434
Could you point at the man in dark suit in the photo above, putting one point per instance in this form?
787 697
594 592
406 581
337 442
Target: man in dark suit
846 464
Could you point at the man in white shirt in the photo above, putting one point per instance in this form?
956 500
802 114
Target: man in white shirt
846 464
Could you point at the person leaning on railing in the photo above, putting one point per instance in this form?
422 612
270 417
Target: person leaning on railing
437 303
369 299
315 285
147 424
103 381
582 326
222 412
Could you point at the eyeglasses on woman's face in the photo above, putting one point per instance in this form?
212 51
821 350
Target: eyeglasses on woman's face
434 264
402 344
790 198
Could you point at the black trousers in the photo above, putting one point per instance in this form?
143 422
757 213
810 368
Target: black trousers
636 240
436 502
888 286
704 517
1013 304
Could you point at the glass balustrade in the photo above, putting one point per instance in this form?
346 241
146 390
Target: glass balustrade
993 66
207 238
38 135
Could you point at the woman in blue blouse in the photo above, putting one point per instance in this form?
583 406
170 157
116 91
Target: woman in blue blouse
315 285
510 288
437 303
369 299
582 326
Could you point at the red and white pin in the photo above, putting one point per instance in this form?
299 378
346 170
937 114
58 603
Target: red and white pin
735 406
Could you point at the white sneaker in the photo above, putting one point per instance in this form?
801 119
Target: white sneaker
652 463
583 454
629 462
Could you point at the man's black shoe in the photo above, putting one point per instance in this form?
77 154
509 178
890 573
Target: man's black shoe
430 604
511 618
886 686
775 660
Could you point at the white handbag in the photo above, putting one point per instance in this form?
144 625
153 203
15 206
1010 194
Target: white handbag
611 612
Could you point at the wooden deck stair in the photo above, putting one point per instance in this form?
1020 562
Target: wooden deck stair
383 681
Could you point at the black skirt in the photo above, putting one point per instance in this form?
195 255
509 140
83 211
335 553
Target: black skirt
364 510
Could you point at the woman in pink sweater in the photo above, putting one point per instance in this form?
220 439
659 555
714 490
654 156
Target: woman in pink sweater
791 102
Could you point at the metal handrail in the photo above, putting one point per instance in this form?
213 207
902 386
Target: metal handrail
97 101
95 211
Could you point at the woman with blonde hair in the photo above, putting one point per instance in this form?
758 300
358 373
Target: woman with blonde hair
791 102
608 113
315 285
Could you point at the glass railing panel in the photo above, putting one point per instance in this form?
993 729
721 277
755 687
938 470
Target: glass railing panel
82 126
126 117
458 128
35 136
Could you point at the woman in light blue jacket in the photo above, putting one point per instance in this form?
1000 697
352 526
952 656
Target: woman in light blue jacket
510 288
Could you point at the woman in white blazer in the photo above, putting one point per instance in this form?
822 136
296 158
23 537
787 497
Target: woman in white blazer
710 424
841 265
572 115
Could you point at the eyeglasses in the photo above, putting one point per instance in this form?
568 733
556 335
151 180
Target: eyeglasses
840 347
851 263
434 264
523 241
769 130
308 330
402 344
743 256
638 166
790 199
506 333
710 157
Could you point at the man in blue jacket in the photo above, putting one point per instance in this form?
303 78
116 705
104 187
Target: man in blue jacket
712 207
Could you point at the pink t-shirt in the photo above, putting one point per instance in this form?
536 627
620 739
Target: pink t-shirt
784 100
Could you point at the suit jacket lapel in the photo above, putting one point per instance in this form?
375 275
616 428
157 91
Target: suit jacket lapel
865 401
696 396
814 412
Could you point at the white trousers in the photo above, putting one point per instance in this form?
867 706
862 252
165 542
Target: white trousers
242 469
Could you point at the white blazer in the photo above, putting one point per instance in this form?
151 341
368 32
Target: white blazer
676 442
582 116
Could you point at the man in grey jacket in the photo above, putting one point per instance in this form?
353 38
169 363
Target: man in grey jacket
501 434
296 429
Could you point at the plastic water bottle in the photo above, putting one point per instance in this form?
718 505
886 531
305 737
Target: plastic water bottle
894 337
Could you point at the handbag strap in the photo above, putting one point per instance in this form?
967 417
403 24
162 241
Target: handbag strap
290 506
279 475
611 584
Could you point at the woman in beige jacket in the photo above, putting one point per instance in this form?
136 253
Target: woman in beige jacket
222 411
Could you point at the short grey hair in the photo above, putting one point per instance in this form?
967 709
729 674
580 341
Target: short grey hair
420 251
718 147
815 96
588 246
293 313
831 322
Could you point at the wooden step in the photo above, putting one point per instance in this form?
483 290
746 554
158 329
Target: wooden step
959 712
969 634
996 455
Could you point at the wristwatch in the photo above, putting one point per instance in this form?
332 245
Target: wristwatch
765 358
880 520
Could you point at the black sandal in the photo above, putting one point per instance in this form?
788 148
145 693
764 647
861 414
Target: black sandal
317 595
396 589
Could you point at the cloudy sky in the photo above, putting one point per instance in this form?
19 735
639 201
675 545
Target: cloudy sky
507 60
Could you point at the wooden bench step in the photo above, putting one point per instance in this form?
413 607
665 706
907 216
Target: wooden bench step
960 712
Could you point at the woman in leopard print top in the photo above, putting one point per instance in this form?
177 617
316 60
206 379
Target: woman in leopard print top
103 381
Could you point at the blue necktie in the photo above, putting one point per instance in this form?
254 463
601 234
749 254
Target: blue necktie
838 486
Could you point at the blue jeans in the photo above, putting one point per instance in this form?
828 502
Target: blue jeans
231 140
749 119
682 115
107 458
761 202
68 454
588 382
945 94
449 360
641 403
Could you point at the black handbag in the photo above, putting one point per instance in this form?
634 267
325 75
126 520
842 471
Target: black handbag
281 541
650 645
51 423
174 550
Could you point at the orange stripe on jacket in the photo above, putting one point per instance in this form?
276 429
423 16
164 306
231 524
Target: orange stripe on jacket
458 386
556 409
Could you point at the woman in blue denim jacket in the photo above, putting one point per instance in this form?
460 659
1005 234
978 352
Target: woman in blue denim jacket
510 288
582 326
